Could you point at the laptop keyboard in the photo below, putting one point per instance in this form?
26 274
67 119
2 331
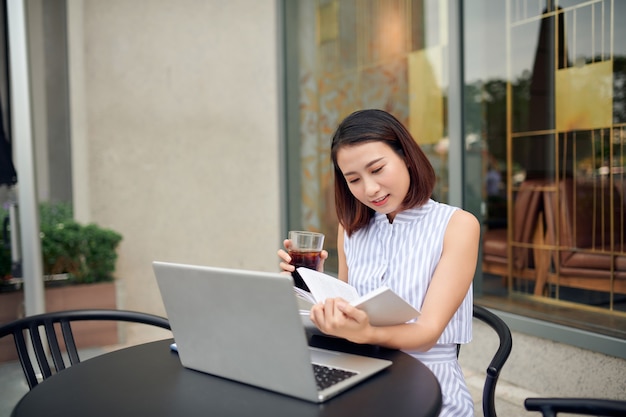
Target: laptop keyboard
327 377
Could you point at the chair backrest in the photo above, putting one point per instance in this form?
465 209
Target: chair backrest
590 212
525 216
498 359
48 350
550 407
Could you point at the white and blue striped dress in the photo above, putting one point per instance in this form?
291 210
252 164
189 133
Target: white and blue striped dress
403 255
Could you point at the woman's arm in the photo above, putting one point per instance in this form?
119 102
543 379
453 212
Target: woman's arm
448 287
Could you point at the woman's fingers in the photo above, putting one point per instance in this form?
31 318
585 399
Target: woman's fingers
285 258
323 257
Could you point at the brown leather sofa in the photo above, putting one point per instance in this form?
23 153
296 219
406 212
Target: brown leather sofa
526 233
585 225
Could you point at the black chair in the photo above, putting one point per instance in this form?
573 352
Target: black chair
50 323
550 407
497 361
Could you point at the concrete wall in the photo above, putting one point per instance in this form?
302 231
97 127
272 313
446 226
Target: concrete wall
175 133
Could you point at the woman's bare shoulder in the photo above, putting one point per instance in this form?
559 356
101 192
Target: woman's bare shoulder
463 220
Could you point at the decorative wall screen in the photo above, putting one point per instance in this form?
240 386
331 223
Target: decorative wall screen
384 54
566 152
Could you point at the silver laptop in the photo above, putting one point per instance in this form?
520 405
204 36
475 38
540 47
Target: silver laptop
246 326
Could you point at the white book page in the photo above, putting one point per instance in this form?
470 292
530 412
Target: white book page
365 298
324 286
304 295
385 308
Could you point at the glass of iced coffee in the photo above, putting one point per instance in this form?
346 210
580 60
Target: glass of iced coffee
305 251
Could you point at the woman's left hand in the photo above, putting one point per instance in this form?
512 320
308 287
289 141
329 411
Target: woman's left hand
337 317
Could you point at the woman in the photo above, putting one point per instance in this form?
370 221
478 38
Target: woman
392 233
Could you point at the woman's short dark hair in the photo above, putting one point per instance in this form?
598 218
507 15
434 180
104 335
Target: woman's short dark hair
378 126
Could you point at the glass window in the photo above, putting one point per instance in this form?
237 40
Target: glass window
547 85
544 116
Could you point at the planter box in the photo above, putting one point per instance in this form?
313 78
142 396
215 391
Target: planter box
68 297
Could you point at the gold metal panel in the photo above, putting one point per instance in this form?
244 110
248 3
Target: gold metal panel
584 97
328 22
425 95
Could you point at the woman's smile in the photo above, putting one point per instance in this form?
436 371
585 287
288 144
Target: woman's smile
380 201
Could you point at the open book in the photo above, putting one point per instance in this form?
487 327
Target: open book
383 306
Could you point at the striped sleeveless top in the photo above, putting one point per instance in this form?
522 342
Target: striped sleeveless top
403 255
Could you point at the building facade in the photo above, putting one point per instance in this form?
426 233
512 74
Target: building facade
200 129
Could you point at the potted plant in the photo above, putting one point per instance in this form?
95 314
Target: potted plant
82 253
86 253
78 264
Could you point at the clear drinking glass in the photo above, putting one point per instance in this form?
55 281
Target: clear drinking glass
305 251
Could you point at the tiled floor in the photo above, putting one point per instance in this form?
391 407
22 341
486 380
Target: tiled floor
12 387
509 398
13 384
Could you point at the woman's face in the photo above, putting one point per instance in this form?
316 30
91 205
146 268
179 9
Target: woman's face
376 175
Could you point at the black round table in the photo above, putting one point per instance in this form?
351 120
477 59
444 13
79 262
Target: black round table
148 380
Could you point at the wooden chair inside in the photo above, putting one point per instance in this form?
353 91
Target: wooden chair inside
523 242
584 226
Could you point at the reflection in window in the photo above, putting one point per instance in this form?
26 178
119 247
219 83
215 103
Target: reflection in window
562 238
386 54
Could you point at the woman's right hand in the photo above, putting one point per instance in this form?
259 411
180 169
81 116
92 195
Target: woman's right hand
283 254
285 265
